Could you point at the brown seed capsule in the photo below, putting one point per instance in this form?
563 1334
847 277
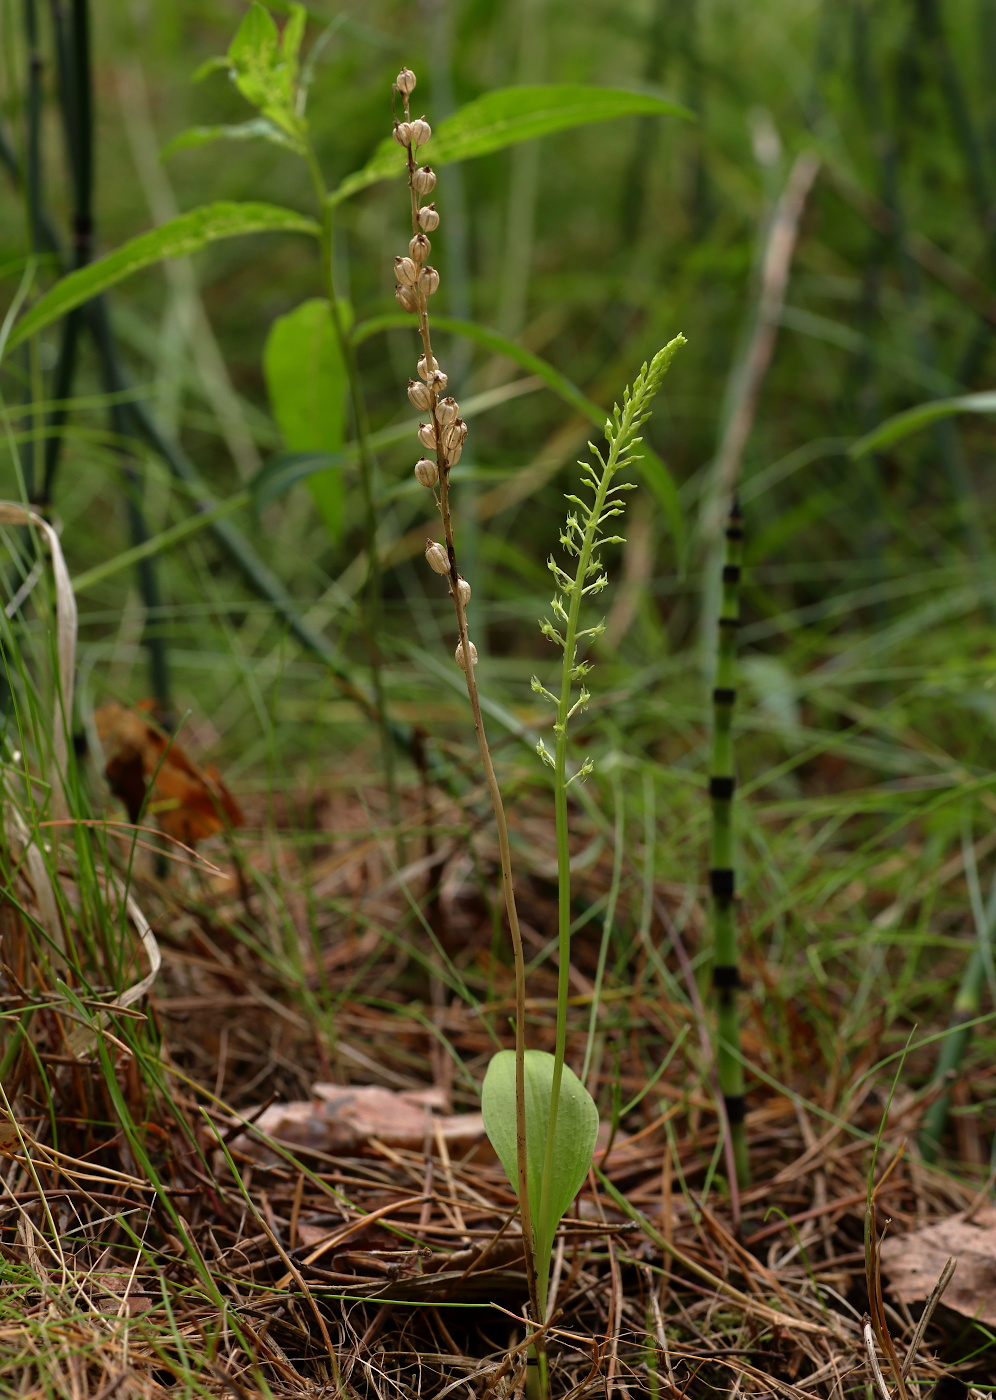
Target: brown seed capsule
405 81
436 557
428 280
436 380
428 219
421 131
403 133
405 271
427 368
426 472
424 179
453 455
454 435
406 298
420 248
463 591
427 436
420 395
461 659
446 411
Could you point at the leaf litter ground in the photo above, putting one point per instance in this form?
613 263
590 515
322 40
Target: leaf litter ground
272 1229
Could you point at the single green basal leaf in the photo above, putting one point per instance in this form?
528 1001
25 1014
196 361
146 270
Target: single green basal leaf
175 239
574 1138
307 384
505 117
913 419
257 129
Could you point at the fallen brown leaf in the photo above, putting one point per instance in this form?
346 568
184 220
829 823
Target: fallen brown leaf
913 1263
188 802
341 1117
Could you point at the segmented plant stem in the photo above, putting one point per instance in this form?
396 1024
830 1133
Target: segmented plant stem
537 1299
722 878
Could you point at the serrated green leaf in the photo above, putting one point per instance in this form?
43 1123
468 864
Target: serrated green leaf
306 381
573 1144
254 55
175 239
261 71
655 472
505 117
257 129
290 39
913 419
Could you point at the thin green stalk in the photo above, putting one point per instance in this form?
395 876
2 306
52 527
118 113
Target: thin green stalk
582 538
725 972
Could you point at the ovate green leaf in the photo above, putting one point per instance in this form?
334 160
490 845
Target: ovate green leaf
899 427
574 1140
306 380
505 117
175 239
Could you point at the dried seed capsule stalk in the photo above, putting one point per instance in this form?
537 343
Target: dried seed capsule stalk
405 272
421 131
424 180
436 557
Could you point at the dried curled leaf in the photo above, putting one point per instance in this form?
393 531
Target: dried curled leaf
913 1263
188 802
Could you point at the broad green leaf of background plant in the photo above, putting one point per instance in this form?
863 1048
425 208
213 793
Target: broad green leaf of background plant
306 381
913 419
574 1140
264 69
257 129
505 117
175 239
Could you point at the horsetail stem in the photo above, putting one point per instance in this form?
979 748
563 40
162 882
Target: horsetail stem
722 878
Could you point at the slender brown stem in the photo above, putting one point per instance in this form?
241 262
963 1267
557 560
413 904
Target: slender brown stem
501 822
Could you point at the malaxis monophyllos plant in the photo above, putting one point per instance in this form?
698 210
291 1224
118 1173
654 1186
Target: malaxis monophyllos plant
540 1118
